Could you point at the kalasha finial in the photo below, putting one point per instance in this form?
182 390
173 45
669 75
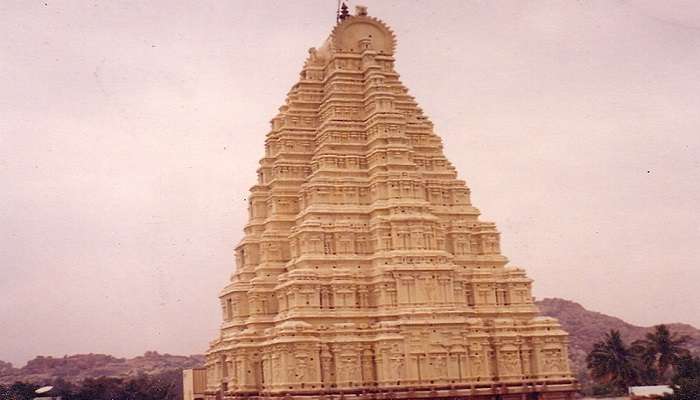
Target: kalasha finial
343 12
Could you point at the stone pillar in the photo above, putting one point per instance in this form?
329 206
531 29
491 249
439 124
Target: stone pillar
368 368
326 366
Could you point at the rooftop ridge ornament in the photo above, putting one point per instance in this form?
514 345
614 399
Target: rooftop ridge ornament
365 271
343 12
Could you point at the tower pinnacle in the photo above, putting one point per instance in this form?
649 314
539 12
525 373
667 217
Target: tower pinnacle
343 12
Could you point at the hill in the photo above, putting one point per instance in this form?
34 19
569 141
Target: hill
586 327
75 368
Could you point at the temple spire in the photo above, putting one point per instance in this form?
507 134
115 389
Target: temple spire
365 271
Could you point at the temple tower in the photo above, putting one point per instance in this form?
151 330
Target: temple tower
364 271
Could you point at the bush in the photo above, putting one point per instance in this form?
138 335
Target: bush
163 386
686 380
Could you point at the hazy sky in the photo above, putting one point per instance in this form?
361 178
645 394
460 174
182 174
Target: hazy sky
131 131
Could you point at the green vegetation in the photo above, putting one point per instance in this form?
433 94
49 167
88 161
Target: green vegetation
686 380
18 391
658 351
612 363
615 366
164 386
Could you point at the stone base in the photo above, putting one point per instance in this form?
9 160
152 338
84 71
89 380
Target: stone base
561 390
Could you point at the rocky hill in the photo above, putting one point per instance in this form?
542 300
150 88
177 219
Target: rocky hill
75 368
587 327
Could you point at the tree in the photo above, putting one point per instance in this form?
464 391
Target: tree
18 391
63 388
158 387
686 380
612 362
102 388
660 349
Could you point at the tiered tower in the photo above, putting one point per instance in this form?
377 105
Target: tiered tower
365 271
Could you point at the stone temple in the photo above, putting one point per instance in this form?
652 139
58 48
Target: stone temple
364 271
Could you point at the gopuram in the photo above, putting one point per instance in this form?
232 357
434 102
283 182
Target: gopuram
364 271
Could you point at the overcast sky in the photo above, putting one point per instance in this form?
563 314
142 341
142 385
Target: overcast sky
130 133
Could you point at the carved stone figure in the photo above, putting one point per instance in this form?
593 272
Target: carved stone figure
476 365
398 367
552 360
429 289
276 369
441 367
301 367
510 363
347 369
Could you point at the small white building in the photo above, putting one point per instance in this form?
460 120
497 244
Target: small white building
45 393
649 392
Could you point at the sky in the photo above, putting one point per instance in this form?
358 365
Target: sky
130 132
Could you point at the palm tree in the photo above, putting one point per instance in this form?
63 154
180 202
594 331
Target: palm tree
661 349
612 362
